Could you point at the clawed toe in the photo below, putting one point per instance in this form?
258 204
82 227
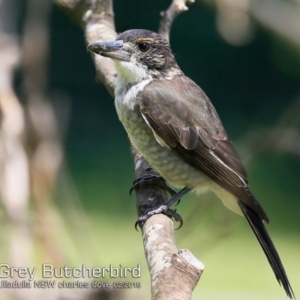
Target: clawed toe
143 179
157 210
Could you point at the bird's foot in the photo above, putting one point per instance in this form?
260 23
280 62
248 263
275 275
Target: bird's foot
157 210
144 179
163 208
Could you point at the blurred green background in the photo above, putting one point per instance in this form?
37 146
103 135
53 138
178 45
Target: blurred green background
250 71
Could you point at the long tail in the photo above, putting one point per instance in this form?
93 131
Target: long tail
268 247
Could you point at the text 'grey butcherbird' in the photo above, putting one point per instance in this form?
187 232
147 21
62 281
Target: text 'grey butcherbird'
173 124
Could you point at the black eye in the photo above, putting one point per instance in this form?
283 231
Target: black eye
144 47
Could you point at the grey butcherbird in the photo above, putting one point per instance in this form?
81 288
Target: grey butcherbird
173 124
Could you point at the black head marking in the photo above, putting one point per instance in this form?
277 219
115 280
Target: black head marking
149 48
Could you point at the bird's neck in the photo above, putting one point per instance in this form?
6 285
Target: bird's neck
130 73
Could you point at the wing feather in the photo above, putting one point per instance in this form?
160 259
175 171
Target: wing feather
194 131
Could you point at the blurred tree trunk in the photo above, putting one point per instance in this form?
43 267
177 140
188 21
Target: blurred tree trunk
14 166
30 146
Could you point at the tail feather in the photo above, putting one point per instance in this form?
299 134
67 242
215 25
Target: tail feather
268 247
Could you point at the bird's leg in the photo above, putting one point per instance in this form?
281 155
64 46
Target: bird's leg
164 208
172 193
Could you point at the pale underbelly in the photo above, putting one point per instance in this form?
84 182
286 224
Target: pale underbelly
164 160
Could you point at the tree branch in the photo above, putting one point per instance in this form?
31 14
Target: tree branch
97 19
169 15
174 274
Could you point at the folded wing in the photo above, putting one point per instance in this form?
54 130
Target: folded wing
194 131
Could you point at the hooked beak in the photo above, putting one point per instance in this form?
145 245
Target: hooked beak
111 49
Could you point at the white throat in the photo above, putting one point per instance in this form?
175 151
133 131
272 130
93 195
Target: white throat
132 78
130 72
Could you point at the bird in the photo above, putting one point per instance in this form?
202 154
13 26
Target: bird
173 124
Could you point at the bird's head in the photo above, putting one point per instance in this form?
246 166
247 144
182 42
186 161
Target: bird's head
139 54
